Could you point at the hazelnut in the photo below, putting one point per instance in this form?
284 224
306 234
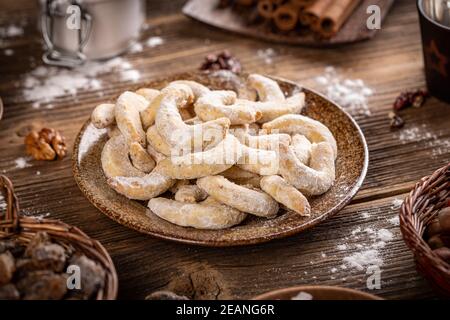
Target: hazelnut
435 242
443 253
444 219
433 228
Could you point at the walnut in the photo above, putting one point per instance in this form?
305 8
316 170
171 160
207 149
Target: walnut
41 254
92 277
47 144
43 285
9 292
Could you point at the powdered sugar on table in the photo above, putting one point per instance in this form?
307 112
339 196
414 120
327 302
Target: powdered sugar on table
351 94
44 84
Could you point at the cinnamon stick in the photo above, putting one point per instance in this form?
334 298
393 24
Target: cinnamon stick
266 8
245 2
313 14
286 16
335 16
302 3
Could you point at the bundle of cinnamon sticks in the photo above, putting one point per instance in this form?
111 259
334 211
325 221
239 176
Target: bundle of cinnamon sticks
323 17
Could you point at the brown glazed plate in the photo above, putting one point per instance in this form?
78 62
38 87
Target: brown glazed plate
351 168
317 293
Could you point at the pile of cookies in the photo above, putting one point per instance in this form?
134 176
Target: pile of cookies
206 158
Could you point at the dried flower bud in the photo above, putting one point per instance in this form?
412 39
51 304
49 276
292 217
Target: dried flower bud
410 98
396 121
221 61
46 144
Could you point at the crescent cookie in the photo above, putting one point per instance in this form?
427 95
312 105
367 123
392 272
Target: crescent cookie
201 164
155 140
242 177
140 158
158 157
219 104
148 93
113 131
239 197
115 160
207 215
267 89
190 193
127 112
314 180
178 185
273 109
148 115
178 134
262 162
286 194
142 188
264 141
301 147
103 115
197 88
293 124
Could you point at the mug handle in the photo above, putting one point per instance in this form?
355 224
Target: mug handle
64 58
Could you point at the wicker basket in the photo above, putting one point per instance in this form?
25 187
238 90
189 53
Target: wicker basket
421 206
14 226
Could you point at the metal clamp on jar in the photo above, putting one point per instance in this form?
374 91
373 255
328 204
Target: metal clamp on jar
78 30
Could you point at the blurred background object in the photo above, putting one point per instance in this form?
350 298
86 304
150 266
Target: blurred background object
437 10
318 23
435 26
75 31
1 109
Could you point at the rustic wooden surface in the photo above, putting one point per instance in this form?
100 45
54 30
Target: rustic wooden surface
389 63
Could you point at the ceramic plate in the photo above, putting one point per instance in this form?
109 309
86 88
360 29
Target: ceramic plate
351 167
317 293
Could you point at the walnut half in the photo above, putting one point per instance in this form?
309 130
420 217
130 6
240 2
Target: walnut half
47 144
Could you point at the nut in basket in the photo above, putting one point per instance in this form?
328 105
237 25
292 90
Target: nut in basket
44 259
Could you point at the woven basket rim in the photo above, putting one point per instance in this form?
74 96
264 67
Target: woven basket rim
13 225
418 209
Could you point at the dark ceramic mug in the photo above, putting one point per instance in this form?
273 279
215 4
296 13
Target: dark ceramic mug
435 27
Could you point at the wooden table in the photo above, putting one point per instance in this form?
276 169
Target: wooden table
390 63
